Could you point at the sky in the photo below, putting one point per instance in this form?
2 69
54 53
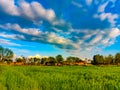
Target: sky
80 28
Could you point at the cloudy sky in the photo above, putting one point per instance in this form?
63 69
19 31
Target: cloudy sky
68 27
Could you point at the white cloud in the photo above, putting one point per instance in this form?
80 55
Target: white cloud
102 7
7 36
111 38
25 10
33 11
94 43
53 38
88 2
9 7
37 56
77 4
96 39
76 40
40 12
111 17
8 42
35 33
12 36
114 33
107 16
16 27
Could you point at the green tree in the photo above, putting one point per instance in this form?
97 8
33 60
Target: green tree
1 53
108 59
117 58
50 61
77 59
6 54
43 60
18 59
59 58
73 59
98 59
69 60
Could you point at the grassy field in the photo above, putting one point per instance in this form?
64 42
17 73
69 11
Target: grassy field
59 78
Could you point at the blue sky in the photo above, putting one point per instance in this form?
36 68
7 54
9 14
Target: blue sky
67 27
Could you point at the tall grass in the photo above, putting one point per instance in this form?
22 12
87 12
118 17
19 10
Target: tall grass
59 78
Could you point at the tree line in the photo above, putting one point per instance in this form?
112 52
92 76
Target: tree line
6 55
49 61
110 59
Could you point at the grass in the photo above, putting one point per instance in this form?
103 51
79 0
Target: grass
59 78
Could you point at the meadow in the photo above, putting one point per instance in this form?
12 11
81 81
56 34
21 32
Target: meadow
59 78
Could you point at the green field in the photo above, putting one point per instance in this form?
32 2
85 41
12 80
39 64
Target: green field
59 78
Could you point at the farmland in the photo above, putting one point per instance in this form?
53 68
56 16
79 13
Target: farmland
59 78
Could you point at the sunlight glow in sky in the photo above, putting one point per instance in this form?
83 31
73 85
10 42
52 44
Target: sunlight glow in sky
67 27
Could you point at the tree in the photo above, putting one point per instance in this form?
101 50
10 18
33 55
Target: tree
18 59
43 60
50 61
73 59
109 59
76 59
69 59
117 58
98 59
59 58
6 54
1 53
